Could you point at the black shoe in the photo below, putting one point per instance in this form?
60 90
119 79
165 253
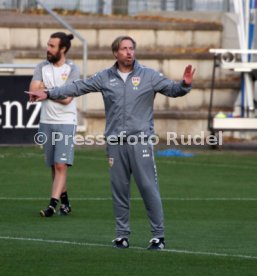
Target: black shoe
156 244
64 210
121 243
48 212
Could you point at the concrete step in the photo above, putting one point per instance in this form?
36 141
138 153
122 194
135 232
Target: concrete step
32 31
38 19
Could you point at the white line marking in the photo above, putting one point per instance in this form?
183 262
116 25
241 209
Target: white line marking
139 198
174 161
132 247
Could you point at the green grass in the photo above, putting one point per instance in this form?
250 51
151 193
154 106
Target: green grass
210 203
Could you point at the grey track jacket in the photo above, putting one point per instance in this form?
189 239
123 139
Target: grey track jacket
129 105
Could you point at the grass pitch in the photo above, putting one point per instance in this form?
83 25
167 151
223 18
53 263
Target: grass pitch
210 203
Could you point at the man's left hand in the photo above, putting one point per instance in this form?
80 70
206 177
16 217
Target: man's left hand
188 74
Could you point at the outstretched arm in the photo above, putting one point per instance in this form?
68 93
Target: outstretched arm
74 89
172 88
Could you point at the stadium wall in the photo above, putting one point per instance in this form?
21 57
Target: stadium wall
166 44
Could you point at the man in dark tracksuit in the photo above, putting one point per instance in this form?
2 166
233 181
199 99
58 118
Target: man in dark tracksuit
128 90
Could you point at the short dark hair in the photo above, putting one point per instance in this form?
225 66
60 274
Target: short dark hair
119 39
64 40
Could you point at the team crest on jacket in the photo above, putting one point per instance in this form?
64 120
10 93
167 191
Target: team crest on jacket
136 82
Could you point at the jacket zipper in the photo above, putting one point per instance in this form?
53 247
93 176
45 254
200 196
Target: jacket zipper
124 99
124 105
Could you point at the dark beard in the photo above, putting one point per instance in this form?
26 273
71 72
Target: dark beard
53 58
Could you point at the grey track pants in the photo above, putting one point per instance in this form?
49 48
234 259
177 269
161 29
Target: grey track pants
137 160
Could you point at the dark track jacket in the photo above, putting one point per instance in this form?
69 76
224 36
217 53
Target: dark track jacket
129 105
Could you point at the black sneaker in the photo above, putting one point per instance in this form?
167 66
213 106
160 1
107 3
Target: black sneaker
64 210
48 212
121 243
156 244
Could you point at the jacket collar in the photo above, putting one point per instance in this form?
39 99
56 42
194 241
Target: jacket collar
115 66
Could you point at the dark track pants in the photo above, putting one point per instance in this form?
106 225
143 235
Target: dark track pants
137 160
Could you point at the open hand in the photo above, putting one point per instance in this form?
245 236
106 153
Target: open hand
188 74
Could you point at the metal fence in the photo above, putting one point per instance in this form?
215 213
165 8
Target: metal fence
123 6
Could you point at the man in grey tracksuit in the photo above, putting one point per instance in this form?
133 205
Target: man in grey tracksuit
128 90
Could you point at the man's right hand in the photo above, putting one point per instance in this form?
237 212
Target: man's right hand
37 96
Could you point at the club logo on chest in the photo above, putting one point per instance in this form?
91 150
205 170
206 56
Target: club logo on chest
135 82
